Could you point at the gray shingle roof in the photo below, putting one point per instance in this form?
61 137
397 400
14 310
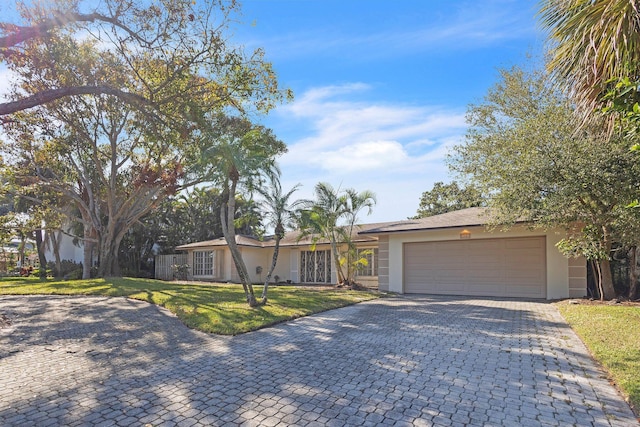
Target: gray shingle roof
463 218
365 232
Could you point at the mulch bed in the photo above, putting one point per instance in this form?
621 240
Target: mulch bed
591 301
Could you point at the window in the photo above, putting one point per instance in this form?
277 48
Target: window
371 255
203 262
315 266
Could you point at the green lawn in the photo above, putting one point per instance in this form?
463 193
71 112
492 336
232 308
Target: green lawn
612 334
215 308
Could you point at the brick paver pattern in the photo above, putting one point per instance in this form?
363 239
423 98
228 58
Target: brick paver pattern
446 361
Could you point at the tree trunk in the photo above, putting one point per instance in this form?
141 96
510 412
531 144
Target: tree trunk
608 291
229 232
21 250
88 244
633 273
336 259
109 247
54 239
41 256
274 261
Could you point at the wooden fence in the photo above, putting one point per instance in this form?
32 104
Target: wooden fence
165 263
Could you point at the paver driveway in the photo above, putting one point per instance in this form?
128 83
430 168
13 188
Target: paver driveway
399 361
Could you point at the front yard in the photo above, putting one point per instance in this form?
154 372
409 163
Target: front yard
612 334
214 308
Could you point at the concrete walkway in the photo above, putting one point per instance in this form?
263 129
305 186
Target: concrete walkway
79 361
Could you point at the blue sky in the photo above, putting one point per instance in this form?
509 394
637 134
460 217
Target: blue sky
381 87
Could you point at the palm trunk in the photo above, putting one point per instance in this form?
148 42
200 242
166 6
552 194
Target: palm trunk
336 260
229 232
274 261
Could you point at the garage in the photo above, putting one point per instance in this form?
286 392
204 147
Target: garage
504 267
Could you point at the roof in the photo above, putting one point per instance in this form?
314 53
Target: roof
240 241
463 218
291 238
364 232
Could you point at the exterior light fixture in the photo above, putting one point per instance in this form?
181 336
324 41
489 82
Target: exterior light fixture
465 234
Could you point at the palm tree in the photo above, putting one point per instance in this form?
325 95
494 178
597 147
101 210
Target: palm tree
355 203
280 215
333 216
243 154
593 42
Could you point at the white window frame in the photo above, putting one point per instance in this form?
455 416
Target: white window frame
371 270
204 263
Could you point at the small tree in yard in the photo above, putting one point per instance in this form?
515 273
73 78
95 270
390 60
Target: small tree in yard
240 156
333 216
280 214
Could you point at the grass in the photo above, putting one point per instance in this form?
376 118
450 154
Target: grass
612 334
214 308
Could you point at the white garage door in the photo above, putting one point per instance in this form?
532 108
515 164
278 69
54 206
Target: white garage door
485 267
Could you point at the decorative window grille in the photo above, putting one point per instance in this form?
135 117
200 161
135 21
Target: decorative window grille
315 266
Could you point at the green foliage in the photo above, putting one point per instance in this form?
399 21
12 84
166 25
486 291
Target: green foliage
279 213
68 269
592 42
443 198
115 155
333 216
176 55
214 308
238 155
623 105
523 149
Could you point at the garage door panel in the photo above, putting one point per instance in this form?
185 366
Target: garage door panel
484 267
522 243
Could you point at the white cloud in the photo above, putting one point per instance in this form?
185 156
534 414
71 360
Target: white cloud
395 150
363 156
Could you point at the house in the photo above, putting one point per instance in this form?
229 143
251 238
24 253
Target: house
449 254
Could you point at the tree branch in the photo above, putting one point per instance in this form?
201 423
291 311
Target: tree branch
51 95
21 34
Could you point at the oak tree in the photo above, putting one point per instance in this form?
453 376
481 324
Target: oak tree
523 150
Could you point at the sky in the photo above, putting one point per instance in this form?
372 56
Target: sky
381 87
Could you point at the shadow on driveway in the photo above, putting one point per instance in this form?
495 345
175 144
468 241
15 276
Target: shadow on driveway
430 360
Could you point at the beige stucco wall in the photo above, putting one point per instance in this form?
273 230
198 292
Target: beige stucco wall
558 266
282 269
254 257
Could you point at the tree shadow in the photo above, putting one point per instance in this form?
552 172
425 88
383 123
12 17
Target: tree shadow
390 360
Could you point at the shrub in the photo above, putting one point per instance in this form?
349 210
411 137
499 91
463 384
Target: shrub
66 267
